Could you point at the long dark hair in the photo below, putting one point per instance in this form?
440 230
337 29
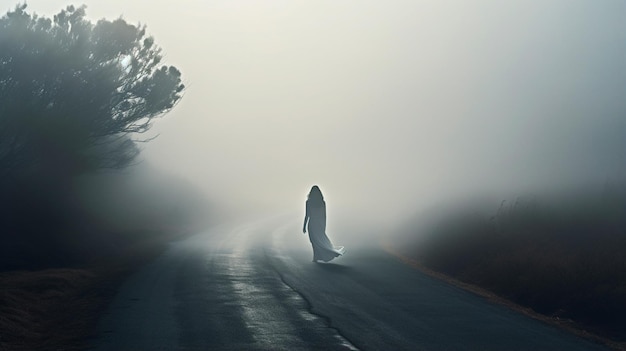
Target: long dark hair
315 196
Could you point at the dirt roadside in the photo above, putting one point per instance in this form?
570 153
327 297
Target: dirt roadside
58 308
568 325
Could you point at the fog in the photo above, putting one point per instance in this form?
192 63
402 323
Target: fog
387 106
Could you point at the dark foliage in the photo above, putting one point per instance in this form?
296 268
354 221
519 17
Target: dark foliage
74 96
564 260
71 92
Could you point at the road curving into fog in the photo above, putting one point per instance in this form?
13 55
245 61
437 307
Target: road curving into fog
246 287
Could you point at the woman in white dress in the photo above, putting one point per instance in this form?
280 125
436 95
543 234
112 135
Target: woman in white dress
315 216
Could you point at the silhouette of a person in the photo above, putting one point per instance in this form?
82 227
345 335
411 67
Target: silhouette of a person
315 217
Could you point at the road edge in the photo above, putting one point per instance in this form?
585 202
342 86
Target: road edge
564 324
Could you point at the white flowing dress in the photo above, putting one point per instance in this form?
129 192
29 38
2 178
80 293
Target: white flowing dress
323 249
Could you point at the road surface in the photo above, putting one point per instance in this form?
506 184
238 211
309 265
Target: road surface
253 287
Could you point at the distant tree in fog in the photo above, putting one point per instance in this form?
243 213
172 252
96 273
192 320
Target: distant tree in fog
74 94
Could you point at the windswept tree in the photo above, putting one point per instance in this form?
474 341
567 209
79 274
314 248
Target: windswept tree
74 98
74 95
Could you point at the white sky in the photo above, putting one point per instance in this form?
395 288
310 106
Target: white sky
387 105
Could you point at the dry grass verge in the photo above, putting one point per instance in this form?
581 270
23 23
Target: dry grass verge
562 259
57 309
563 323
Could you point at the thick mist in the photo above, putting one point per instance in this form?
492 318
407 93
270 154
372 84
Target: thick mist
387 106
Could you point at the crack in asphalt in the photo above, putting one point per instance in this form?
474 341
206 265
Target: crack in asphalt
327 320
343 340
275 313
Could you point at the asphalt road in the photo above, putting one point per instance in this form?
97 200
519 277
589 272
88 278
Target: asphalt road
253 287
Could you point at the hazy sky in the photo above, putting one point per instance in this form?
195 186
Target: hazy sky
385 104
